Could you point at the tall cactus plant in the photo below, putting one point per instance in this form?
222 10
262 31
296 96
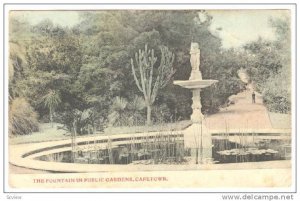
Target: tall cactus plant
143 73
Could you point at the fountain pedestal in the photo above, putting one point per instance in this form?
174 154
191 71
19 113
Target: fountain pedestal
197 137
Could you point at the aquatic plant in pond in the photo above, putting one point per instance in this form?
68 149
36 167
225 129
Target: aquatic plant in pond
168 148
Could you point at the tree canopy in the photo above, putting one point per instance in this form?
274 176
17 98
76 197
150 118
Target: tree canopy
89 66
269 67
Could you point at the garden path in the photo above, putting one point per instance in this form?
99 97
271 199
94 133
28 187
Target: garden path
241 114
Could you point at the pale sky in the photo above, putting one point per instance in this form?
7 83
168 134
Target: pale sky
242 26
238 26
64 18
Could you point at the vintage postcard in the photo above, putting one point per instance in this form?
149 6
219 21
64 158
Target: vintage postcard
166 97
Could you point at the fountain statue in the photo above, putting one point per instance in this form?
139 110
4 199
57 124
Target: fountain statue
197 137
195 62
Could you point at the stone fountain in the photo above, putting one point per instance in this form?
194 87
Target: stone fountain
197 137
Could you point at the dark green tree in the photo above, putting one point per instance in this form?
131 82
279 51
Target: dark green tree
269 67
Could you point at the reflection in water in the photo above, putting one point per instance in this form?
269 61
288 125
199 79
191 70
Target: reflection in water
170 150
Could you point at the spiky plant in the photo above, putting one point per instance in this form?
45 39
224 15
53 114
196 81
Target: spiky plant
143 72
51 100
118 106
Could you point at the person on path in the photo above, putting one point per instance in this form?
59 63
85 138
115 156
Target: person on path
253 97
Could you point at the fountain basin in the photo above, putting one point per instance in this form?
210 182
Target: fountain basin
26 155
194 84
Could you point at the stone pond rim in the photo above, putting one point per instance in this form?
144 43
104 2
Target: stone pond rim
194 84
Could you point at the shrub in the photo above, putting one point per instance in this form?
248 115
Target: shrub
22 118
277 92
127 113
161 113
81 118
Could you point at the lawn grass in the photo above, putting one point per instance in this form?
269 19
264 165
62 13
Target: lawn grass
48 133
177 126
280 121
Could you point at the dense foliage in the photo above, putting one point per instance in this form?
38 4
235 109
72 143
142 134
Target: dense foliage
83 75
22 118
269 67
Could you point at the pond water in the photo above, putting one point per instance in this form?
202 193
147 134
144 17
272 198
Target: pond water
172 151
225 151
